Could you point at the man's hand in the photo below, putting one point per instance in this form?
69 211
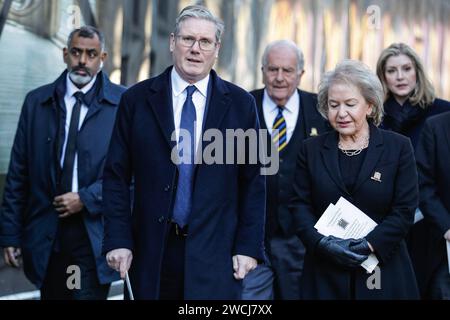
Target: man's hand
68 204
242 265
120 260
447 235
12 256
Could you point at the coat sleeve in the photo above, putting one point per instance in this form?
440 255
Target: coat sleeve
430 201
249 239
91 197
17 185
117 177
386 237
301 203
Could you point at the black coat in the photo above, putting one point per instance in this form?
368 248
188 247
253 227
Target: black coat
228 200
414 124
433 154
279 189
390 203
28 219
421 233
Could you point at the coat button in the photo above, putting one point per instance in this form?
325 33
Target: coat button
161 219
49 140
167 188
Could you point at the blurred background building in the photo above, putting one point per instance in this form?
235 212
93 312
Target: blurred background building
33 32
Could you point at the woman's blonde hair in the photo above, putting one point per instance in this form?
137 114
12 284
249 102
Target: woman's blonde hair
423 94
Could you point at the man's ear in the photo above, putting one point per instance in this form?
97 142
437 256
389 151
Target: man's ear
65 54
302 74
218 49
103 56
172 42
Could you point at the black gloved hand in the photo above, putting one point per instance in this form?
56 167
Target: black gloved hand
360 246
337 250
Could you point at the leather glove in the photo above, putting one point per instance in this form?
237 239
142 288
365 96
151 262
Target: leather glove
360 246
337 250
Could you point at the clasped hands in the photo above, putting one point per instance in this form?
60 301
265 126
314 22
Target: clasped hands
348 253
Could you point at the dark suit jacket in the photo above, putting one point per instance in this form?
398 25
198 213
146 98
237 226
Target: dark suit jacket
390 203
228 200
433 154
28 219
279 191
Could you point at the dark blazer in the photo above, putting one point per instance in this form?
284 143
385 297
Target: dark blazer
28 219
228 200
279 191
433 154
390 203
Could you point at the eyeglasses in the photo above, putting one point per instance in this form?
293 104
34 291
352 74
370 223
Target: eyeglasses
204 44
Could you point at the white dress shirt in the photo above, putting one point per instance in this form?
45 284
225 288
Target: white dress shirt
198 98
69 101
290 113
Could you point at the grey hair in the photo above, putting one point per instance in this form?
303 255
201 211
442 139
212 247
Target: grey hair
356 73
87 32
199 12
284 43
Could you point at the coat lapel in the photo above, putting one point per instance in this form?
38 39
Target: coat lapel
160 101
55 101
330 157
54 148
447 135
309 119
374 152
259 97
102 92
94 108
218 104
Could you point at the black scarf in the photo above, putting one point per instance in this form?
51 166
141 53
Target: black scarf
400 118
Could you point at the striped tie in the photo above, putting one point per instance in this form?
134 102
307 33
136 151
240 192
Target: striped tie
279 137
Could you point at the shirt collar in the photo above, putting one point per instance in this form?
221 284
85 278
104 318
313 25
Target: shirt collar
179 85
71 88
290 105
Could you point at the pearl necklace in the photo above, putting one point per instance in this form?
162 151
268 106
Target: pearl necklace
355 152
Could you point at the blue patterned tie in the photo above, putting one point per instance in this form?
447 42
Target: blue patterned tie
280 139
183 199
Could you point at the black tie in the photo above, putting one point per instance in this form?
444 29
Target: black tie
71 147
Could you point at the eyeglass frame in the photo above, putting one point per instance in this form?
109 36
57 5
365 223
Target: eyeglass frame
214 43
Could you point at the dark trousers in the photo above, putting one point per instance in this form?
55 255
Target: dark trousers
440 283
172 269
279 277
72 252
